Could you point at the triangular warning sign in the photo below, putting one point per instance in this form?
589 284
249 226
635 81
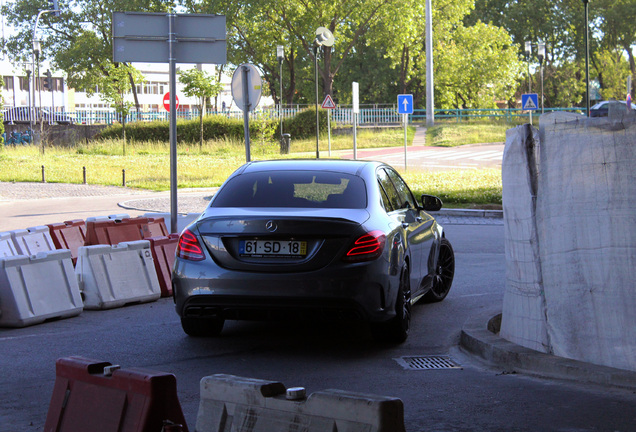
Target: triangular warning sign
328 103
530 105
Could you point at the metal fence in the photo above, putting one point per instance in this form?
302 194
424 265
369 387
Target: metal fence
342 115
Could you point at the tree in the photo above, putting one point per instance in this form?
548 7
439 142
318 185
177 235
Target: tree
617 24
79 41
255 27
560 24
114 89
475 67
612 69
198 83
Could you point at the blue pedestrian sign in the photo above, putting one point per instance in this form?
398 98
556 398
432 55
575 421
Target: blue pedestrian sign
405 104
530 102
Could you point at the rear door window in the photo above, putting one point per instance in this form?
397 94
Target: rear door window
389 190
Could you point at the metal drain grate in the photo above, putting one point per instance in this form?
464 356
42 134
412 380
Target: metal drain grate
427 362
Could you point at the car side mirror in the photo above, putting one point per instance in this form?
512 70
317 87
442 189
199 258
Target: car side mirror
431 203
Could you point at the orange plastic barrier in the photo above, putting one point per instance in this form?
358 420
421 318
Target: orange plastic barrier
163 253
156 227
112 232
69 235
92 395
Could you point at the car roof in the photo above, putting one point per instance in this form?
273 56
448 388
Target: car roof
601 103
353 167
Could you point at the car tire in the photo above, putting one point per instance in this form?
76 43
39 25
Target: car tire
444 273
397 329
202 327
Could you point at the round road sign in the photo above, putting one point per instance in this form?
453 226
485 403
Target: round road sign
166 101
250 93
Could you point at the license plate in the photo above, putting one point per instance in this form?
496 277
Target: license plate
272 248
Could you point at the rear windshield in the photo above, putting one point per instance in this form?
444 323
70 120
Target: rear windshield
312 189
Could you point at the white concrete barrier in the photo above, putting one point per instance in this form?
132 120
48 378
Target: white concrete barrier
182 220
37 288
119 216
250 405
113 276
569 198
32 240
7 246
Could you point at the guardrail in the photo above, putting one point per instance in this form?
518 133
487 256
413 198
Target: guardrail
343 115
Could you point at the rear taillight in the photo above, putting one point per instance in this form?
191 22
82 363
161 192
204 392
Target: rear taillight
367 247
189 247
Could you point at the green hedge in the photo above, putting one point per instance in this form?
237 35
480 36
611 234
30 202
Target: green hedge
302 125
214 127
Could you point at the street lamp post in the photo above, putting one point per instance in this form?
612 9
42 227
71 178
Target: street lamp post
324 37
528 50
587 59
541 55
36 75
317 116
280 55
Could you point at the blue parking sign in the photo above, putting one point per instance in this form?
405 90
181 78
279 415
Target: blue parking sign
405 104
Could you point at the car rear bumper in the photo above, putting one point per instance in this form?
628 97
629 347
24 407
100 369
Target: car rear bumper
360 292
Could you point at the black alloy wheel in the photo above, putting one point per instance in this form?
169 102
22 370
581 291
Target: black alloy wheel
444 273
202 327
397 329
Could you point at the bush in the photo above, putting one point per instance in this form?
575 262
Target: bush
218 127
303 124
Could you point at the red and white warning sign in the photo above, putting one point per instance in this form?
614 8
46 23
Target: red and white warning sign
328 103
166 101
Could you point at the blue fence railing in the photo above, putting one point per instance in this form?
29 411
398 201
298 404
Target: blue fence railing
342 115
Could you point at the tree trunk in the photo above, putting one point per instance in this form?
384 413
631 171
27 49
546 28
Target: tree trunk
632 68
134 92
325 73
404 65
292 79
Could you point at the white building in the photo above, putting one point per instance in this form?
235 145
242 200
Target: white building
17 92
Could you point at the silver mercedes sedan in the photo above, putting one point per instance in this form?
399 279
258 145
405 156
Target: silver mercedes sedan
332 240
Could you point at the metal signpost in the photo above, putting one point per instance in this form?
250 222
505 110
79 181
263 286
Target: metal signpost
328 105
355 88
169 38
246 92
405 107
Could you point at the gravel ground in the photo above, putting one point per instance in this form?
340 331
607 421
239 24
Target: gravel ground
186 203
28 191
189 201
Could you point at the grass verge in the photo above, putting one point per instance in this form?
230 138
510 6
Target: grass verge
147 165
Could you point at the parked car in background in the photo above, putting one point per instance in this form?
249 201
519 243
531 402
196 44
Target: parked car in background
318 240
602 108
23 115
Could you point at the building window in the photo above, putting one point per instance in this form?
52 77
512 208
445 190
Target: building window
24 83
8 83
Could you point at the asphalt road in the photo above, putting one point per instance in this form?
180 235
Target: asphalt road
474 397
436 158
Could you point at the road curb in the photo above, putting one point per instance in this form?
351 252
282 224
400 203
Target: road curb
494 214
477 338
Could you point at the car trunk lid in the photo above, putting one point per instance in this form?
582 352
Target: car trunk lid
278 241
